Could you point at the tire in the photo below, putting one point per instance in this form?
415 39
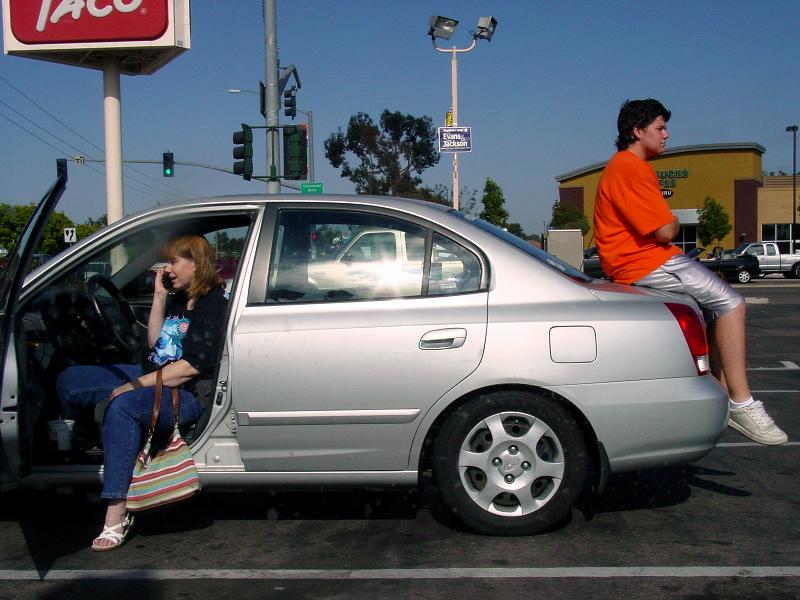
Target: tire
796 270
743 276
543 463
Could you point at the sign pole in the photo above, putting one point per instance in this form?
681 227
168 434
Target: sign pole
454 98
113 133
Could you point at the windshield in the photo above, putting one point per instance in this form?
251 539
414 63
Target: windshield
537 253
740 248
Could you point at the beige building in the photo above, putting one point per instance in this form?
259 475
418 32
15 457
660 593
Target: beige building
759 207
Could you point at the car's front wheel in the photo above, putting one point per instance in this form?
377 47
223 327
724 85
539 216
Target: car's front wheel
744 276
510 463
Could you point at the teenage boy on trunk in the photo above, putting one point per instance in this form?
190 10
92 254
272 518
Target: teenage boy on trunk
634 229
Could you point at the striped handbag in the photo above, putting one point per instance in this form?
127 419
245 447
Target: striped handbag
170 474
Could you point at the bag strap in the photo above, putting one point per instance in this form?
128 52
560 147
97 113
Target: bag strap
176 403
156 402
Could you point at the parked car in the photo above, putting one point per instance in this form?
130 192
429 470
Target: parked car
516 387
770 259
741 268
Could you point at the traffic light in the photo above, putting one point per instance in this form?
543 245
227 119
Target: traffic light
168 164
61 168
243 152
290 102
295 152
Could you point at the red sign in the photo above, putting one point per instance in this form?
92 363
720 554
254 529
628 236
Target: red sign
87 21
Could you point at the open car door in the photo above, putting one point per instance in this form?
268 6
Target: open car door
11 279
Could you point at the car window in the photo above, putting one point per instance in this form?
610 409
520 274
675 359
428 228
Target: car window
329 256
771 250
755 251
537 253
454 269
377 245
324 255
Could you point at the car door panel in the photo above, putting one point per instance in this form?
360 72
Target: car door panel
355 371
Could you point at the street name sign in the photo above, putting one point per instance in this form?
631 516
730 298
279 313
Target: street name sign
455 139
311 188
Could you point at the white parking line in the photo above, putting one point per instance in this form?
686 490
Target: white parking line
394 574
787 366
753 445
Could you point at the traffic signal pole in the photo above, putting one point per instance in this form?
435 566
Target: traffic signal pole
273 102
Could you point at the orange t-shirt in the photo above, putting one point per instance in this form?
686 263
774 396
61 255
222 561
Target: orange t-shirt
628 208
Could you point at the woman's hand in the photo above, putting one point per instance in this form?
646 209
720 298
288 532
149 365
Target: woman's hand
125 387
158 284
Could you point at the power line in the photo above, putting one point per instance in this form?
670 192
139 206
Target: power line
88 141
61 151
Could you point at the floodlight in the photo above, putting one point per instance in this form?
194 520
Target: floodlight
486 27
442 27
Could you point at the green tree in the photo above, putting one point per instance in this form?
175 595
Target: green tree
91 225
712 222
13 219
438 194
517 230
568 216
386 159
494 210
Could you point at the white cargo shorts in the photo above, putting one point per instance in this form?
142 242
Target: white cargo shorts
687 276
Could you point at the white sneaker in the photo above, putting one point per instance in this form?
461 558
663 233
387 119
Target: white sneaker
755 423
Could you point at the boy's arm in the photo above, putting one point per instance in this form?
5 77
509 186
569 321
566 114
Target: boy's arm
666 233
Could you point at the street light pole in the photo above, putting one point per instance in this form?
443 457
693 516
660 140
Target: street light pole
443 27
454 102
793 130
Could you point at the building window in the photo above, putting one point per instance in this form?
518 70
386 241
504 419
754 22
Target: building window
687 238
780 233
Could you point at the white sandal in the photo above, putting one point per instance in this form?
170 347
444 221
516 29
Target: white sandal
109 533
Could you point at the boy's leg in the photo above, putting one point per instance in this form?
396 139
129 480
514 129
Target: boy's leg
726 340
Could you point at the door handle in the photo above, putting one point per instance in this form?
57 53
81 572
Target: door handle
443 339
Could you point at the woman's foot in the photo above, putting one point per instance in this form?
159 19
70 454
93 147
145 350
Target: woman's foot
113 536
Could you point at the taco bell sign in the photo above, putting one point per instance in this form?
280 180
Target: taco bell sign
55 29
455 139
58 21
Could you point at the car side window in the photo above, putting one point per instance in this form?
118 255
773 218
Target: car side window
755 251
454 269
341 255
771 250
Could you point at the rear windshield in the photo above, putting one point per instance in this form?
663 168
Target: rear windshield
537 253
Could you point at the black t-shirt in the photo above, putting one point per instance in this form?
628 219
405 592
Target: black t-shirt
192 335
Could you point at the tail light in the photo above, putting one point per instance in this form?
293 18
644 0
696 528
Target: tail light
694 332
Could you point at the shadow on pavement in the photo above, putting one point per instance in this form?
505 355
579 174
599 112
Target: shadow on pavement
659 488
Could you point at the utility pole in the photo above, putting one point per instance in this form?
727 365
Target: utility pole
273 103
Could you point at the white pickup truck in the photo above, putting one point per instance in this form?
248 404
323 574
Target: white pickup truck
770 259
386 262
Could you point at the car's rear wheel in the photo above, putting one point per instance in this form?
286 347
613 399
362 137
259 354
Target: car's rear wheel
796 271
510 463
744 276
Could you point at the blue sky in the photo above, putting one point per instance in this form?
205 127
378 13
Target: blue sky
541 97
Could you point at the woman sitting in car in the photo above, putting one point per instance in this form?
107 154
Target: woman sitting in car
184 332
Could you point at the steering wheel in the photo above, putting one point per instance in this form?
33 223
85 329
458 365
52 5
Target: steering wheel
114 311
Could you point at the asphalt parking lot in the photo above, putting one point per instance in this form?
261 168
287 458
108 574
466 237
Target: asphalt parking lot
726 526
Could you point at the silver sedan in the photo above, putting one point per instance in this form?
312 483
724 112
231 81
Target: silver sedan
375 341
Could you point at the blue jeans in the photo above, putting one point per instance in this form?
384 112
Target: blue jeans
127 417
